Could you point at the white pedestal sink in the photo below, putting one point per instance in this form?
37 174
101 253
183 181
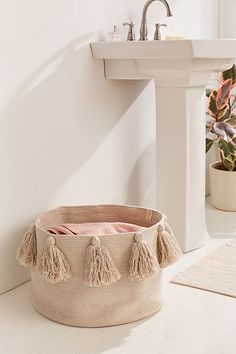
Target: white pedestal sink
180 70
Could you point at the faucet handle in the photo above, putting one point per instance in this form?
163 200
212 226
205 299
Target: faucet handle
131 34
157 34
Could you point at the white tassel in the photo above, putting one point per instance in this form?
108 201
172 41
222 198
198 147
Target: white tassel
53 265
26 253
143 263
100 268
168 250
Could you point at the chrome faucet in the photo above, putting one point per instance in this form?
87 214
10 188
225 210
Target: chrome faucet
143 27
131 34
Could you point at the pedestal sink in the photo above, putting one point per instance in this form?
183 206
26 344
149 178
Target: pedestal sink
180 70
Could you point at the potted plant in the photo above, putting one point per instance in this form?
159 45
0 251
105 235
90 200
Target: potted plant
221 131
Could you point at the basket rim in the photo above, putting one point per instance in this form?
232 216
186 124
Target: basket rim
94 206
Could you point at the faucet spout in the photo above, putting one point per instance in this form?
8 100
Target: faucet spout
143 27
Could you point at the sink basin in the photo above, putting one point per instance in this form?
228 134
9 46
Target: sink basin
187 48
180 69
187 60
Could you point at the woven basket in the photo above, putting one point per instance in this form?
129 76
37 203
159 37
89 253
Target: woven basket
89 281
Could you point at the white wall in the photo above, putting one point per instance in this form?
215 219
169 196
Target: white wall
225 12
67 135
227 18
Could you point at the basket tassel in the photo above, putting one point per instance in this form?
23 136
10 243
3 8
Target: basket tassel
168 250
26 253
143 263
53 265
100 268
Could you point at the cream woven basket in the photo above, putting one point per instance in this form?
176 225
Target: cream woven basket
89 281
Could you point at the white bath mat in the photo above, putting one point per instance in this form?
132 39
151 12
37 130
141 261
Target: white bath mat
215 272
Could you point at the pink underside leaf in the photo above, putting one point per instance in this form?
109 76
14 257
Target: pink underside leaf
224 130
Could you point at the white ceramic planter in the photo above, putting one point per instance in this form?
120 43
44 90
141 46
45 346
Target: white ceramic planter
223 188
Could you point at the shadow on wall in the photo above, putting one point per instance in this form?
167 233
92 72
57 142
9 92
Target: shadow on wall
50 128
147 186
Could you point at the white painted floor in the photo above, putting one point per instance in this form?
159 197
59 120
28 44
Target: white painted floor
191 322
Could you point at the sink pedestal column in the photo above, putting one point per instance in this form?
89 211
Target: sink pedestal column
181 70
181 161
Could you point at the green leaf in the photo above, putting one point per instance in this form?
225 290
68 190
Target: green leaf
221 113
231 121
232 149
223 148
228 154
229 74
227 115
226 148
223 94
209 143
212 107
228 165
